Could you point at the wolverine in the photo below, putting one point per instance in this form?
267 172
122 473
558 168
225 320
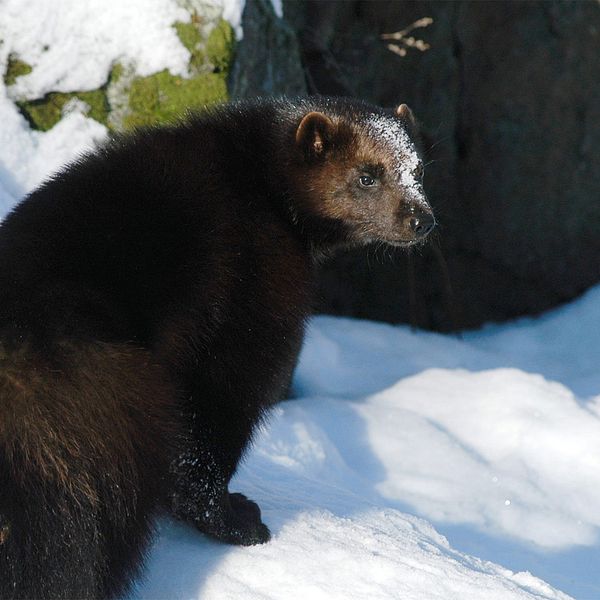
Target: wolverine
153 297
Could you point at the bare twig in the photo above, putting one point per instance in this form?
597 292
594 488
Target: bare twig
404 41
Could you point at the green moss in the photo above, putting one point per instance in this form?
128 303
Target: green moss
188 34
126 101
43 114
15 68
212 52
163 97
220 46
115 73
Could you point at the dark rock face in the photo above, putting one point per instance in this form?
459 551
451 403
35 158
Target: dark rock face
267 59
509 98
529 174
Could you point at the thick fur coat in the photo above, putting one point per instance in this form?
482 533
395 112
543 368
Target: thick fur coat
153 297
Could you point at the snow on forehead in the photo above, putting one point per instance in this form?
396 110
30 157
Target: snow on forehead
390 132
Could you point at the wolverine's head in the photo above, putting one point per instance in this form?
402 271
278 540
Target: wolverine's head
361 168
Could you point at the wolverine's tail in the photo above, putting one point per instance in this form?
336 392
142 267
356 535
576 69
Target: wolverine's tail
83 459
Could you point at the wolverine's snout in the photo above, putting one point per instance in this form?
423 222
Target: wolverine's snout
417 220
421 224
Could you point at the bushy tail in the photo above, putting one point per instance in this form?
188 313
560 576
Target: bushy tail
51 543
84 455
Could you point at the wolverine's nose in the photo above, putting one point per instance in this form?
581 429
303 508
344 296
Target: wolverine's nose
422 223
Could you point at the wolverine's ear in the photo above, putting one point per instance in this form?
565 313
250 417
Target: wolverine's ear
407 115
314 134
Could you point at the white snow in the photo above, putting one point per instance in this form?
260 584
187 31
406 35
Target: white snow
232 12
500 449
278 7
27 157
375 553
388 131
387 420
410 464
73 45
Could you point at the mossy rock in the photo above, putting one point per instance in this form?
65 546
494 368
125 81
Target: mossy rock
220 47
163 97
127 101
15 67
46 113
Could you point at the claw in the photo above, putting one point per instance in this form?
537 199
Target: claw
239 522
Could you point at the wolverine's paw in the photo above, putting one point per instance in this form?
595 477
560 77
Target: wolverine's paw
240 523
244 525
244 507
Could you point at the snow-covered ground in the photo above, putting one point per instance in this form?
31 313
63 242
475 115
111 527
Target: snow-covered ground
493 439
409 464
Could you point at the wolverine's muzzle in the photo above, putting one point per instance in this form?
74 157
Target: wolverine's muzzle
421 224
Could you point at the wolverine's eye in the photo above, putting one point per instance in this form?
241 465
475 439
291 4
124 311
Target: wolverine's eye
418 172
366 180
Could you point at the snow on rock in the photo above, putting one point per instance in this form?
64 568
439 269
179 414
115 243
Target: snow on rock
27 157
72 45
232 12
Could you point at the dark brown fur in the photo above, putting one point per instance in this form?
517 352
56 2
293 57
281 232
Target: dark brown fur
85 436
153 297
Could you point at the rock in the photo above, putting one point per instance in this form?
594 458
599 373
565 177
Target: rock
509 98
268 57
15 67
126 100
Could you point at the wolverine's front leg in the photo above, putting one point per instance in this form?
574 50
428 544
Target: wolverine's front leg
202 472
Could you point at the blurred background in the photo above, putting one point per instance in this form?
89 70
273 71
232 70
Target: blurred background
508 95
